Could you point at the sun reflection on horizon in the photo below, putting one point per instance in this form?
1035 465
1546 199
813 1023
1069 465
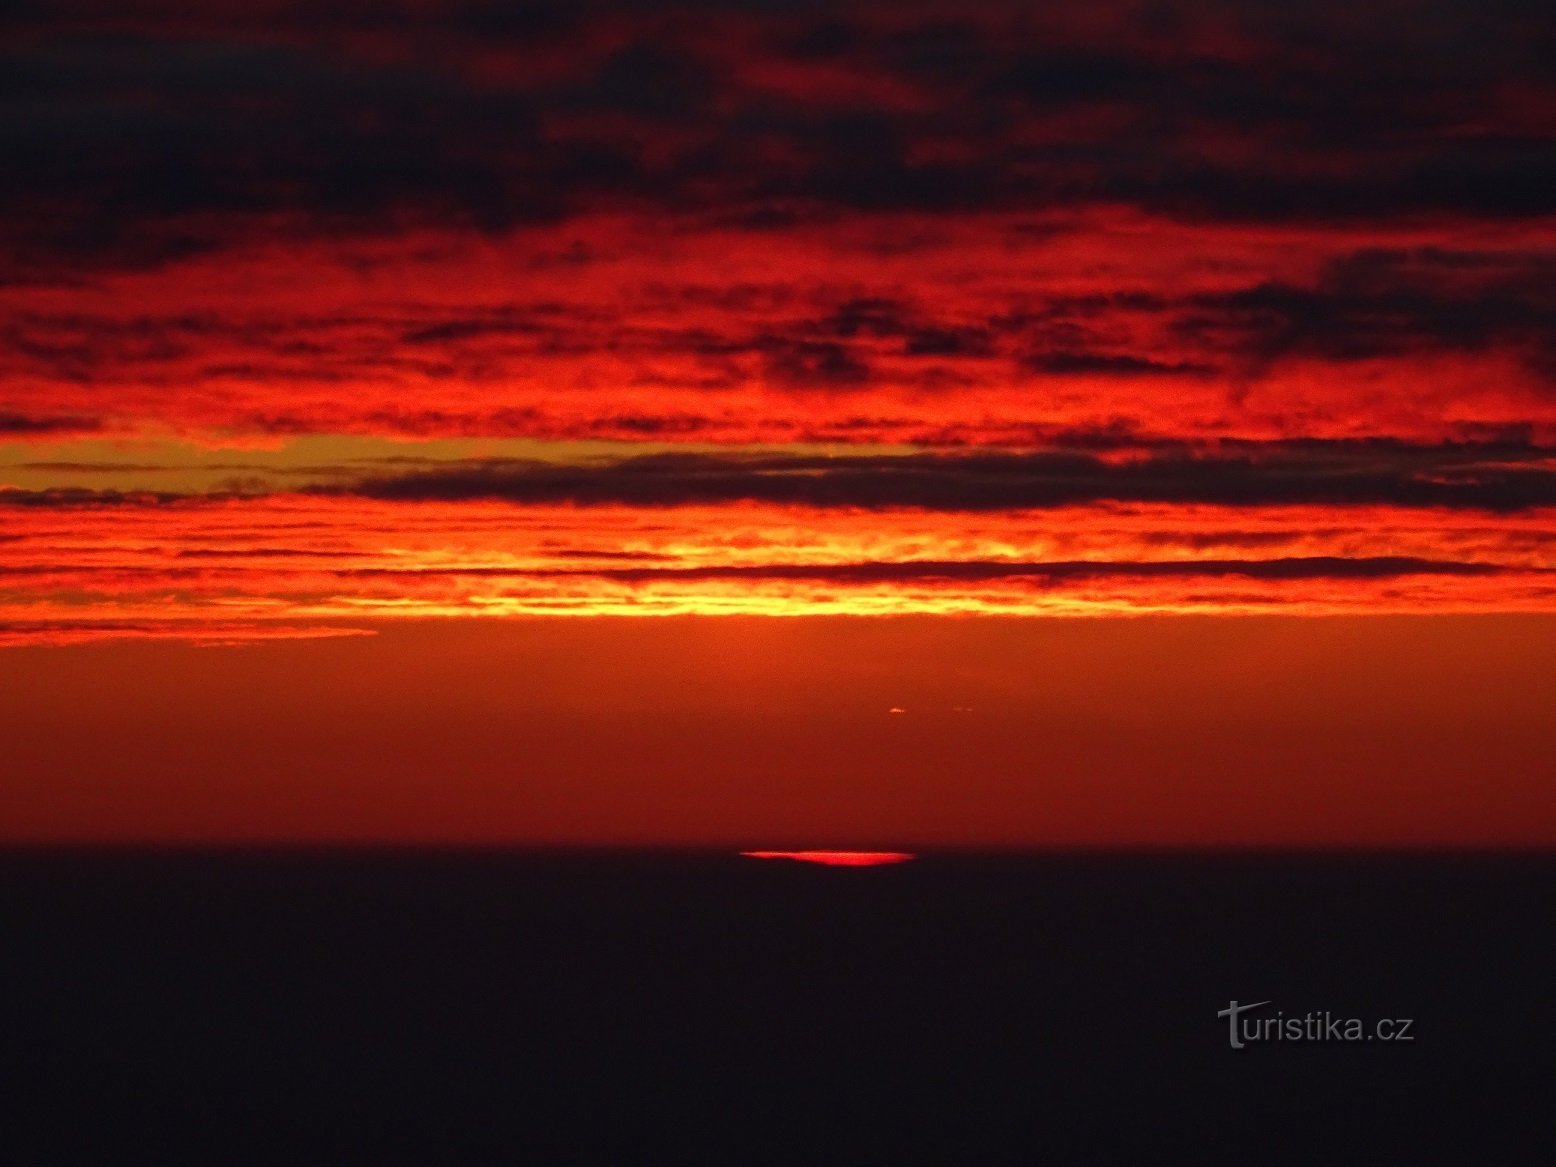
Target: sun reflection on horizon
837 858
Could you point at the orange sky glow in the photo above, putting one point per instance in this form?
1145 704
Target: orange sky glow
1172 439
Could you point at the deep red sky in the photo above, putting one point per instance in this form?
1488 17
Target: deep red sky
757 733
400 355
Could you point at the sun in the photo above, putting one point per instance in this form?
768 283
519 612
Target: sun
837 858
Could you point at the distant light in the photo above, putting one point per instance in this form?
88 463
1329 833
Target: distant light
837 858
896 709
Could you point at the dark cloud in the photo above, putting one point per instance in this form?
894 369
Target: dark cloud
1384 303
1049 77
511 20
649 80
1493 476
981 571
1371 303
140 138
137 148
18 425
471 328
74 496
1324 473
1109 364
954 341
1316 567
806 364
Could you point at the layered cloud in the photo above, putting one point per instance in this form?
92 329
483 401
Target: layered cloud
1180 306
190 120
347 555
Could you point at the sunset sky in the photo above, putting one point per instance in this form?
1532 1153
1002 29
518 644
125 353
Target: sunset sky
588 425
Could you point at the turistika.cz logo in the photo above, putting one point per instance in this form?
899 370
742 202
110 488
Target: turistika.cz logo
1310 1027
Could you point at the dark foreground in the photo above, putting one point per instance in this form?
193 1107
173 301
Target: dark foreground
475 1007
